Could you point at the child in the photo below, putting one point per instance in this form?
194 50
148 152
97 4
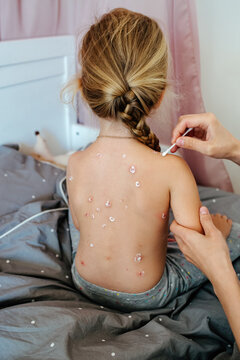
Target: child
120 188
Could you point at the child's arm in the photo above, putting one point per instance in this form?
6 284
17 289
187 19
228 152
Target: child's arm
70 190
184 196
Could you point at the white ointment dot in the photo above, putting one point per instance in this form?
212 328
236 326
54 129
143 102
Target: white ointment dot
70 178
52 345
111 218
108 203
33 322
97 209
33 197
43 180
91 245
5 174
214 200
99 155
164 216
132 169
126 206
104 225
123 156
93 216
90 199
138 257
137 183
7 261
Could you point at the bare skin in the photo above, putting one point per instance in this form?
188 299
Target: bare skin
222 223
123 246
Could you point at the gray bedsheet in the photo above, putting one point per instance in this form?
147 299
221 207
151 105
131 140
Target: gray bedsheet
42 315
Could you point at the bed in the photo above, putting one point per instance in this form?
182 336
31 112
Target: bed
42 315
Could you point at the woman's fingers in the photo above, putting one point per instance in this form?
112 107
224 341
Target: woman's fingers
187 121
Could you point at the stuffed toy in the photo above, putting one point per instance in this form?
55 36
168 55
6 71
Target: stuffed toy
41 152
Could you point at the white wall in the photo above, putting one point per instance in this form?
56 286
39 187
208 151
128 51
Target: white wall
219 36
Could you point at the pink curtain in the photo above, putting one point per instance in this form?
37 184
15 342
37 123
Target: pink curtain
36 18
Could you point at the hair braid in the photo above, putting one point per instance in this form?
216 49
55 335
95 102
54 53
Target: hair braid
133 116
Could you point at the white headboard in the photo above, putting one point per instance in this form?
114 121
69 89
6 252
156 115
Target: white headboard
32 73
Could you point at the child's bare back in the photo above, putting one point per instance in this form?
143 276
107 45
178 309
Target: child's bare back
119 194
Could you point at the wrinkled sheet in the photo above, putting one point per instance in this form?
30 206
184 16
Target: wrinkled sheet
43 316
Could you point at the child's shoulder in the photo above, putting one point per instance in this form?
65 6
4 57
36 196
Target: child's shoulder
173 162
176 169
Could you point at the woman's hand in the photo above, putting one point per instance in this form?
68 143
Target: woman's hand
207 252
208 137
210 254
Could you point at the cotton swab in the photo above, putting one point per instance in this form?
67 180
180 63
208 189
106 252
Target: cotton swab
166 151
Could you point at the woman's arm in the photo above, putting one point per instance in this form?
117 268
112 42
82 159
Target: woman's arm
227 288
210 254
184 196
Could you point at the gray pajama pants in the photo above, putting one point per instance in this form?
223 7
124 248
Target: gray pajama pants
179 277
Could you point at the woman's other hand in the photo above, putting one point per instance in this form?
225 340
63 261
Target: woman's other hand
208 136
207 252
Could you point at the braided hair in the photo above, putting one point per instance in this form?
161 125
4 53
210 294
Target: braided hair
124 62
134 117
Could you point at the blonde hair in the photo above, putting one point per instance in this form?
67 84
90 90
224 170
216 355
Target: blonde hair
124 60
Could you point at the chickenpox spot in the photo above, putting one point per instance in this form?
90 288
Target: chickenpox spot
126 206
97 209
90 199
108 258
93 216
164 216
111 218
104 225
86 214
141 273
99 155
82 262
132 169
137 183
138 257
108 203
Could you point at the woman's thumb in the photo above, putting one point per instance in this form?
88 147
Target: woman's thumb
206 220
190 143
